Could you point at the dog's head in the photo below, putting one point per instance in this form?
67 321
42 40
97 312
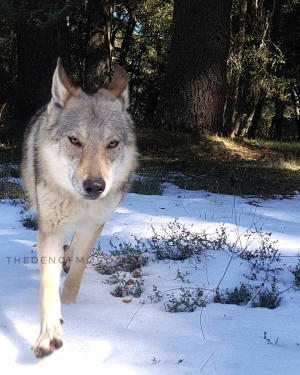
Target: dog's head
92 140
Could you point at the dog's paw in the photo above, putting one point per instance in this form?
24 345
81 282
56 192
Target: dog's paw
49 341
42 351
67 262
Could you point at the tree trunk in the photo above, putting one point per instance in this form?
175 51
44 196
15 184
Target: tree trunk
257 115
127 39
98 54
193 90
238 26
297 110
277 121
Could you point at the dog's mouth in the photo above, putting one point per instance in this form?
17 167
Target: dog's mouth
90 197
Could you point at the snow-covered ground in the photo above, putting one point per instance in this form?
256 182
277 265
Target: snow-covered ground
108 336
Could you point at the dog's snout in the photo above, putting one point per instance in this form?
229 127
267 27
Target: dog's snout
94 187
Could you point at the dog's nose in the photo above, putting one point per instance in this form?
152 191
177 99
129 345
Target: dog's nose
94 187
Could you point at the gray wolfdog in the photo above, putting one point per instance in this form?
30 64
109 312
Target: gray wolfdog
79 155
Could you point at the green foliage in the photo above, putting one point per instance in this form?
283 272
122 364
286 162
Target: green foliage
264 258
182 276
156 296
258 66
259 296
131 285
176 242
10 190
187 301
296 273
124 257
147 53
148 184
268 298
30 222
239 296
123 264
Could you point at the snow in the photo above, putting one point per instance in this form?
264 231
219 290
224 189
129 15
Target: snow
105 334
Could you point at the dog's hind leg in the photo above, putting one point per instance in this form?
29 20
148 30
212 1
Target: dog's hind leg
68 255
50 256
78 253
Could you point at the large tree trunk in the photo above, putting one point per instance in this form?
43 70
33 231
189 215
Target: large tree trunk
193 89
98 54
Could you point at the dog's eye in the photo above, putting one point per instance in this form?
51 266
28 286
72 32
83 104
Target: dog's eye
74 141
113 144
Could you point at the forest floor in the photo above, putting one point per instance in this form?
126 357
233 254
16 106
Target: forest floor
220 165
241 167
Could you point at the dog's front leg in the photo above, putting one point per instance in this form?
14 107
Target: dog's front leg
50 254
79 251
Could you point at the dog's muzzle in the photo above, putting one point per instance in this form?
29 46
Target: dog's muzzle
93 188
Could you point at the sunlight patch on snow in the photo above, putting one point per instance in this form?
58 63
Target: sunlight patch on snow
287 217
101 350
124 210
9 354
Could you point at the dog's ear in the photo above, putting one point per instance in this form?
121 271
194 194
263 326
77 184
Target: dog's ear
119 86
62 88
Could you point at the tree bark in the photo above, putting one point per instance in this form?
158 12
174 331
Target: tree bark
98 54
193 90
257 115
240 107
275 131
127 39
238 26
297 110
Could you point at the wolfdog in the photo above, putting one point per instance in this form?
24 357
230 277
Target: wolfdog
79 155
